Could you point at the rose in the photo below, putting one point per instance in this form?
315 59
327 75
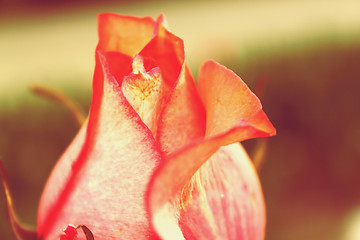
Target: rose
158 156
151 159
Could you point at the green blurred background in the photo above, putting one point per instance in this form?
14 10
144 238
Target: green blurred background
309 52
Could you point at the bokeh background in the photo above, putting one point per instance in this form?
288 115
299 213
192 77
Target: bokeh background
307 51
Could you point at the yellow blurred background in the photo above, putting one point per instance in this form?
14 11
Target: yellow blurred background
309 52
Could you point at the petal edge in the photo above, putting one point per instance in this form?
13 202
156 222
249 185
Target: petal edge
229 101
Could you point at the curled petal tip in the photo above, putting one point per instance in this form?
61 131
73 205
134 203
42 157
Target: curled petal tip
229 101
162 20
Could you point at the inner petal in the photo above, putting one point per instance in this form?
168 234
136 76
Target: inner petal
146 91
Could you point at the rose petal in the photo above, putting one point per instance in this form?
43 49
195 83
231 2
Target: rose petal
119 65
161 20
146 92
183 118
124 34
229 101
57 182
167 190
224 199
168 51
173 174
107 180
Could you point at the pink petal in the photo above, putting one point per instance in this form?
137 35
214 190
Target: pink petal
119 64
145 91
224 199
124 34
59 182
101 180
183 118
168 52
174 174
192 194
228 101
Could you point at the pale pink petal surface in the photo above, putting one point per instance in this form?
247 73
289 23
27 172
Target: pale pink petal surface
108 178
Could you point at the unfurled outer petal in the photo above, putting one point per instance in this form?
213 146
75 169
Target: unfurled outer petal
189 188
167 192
224 199
101 183
228 101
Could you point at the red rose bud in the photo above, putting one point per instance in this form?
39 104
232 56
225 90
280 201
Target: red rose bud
157 156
